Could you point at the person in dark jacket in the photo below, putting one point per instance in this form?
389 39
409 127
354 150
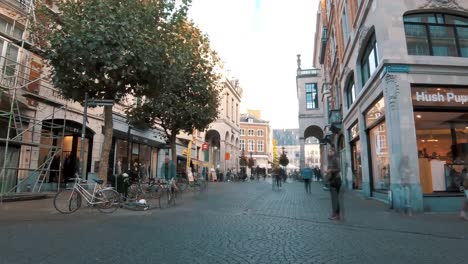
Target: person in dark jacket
334 181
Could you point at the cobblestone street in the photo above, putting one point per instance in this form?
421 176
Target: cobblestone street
232 223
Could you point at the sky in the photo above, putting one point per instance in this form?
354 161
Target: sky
258 41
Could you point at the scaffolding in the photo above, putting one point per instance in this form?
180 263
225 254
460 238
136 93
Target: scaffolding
32 115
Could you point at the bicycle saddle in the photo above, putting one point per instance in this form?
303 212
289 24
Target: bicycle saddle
98 181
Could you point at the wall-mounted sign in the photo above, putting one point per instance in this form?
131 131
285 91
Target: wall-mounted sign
430 96
204 146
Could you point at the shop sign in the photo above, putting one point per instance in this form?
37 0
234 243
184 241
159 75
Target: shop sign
451 97
204 146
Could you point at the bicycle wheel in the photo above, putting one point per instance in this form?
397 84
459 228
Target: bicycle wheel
67 201
164 198
108 200
134 192
182 184
151 195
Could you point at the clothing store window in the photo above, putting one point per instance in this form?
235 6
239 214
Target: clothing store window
356 156
377 135
121 156
442 140
441 123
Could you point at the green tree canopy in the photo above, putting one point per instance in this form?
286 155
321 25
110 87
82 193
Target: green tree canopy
188 97
108 49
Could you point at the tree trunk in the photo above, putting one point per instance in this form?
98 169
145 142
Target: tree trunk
172 140
107 144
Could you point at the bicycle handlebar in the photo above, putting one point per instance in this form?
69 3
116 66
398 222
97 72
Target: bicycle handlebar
79 180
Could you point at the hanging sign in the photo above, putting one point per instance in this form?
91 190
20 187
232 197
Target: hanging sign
205 146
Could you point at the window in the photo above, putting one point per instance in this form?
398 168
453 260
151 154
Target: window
369 60
242 132
311 96
260 146
251 146
332 47
7 28
250 120
227 105
237 113
260 133
8 64
380 159
251 132
241 144
232 109
350 92
345 23
436 34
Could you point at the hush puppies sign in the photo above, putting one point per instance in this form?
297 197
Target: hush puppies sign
451 97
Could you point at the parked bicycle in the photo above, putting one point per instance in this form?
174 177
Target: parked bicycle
105 199
198 184
166 193
144 194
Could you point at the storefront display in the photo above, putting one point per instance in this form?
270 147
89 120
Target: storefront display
441 122
377 136
356 156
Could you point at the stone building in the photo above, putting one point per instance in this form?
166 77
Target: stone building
396 75
255 138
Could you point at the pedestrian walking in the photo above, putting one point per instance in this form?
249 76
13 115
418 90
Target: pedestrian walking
334 181
307 176
276 177
464 209
169 172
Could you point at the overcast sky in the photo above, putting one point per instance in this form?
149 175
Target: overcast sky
258 41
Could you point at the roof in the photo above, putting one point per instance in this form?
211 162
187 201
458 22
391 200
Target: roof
245 119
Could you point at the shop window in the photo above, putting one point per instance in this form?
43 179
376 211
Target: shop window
377 136
436 34
375 113
357 165
369 60
380 159
442 140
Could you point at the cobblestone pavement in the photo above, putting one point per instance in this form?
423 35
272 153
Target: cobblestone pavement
232 223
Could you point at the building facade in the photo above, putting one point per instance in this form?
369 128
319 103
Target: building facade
396 73
223 135
41 133
255 138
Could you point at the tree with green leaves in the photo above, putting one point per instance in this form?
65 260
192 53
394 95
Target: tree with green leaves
108 49
188 97
283 160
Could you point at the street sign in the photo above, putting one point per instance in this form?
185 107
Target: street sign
100 102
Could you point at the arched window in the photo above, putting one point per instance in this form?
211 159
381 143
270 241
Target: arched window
436 34
369 60
350 92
